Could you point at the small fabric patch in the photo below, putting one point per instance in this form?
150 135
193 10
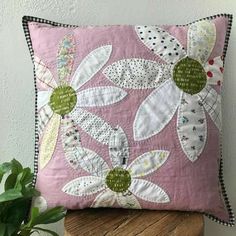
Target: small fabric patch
189 76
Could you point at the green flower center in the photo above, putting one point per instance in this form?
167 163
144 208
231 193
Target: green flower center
63 100
189 75
118 180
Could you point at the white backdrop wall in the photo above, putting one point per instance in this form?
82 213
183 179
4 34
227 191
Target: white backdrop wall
16 76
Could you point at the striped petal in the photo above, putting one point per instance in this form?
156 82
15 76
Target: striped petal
91 162
43 75
214 70
43 98
161 43
192 126
44 115
211 101
49 140
118 148
100 96
93 125
90 65
128 200
84 186
137 73
65 57
152 116
106 198
148 191
147 163
201 40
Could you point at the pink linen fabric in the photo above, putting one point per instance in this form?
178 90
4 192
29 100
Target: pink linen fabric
190 186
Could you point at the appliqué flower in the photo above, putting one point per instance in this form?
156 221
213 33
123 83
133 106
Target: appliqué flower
60 102
189 87
121 183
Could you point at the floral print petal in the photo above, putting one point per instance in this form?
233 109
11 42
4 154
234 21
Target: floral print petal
167 47
43 98
118 148
147 163
137 73
211 101
100 96
153 116
93 125
148 191
84 186
44 76
128 200
214 70
65 57
70 141
201 40
191 126
90 65
44 115
106 198
49 139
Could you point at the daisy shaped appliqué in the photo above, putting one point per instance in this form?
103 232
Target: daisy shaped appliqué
61 101
122 182
185 83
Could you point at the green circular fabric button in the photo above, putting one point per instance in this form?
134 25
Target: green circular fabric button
63 100
118 180
189 75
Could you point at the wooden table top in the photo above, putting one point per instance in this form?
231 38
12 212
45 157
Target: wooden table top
124 222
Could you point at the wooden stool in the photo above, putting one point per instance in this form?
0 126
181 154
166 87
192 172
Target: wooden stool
124 222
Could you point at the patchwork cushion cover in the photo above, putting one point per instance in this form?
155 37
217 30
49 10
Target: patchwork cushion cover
130 116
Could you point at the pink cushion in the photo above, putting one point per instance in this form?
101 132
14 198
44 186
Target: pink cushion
130 116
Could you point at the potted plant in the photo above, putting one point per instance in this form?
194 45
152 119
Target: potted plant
16 215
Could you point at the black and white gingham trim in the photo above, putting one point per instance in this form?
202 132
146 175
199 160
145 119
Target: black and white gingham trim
27 19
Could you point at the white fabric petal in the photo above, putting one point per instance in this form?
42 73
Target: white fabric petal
201 40
90 65
49 140
156 111
128 200
211 101
106 198
148 191
93 125
43 98
100 96
44 115
118 148
161 43
214 69
192 126
147 163
84 186
43 75
136 73
91 162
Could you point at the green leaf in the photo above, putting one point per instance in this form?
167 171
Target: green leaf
16 167
3 229
4 168
49 216
10 194
10 181
46 230
30 192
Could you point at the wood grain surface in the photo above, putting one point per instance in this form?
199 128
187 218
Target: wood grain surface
123 222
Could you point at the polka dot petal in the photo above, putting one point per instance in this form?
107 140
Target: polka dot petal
161 43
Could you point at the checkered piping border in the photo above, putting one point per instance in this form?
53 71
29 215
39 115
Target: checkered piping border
27 19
